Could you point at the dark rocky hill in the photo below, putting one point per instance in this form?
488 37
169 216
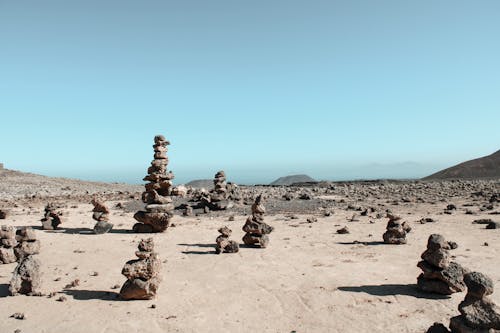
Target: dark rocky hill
479 168
292 179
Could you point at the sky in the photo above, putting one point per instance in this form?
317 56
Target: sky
261 89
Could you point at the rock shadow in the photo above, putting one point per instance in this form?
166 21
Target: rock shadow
393 290
4 290
372 243
197 245
85 231
85 295
199 252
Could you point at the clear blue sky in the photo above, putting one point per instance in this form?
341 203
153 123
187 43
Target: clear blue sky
261 89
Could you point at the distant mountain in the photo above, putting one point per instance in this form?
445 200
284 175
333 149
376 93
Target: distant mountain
292 179
202 183
484 167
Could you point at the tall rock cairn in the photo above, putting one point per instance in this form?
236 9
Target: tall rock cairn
218 198
256 230
143 274
26 278
159 208
8 242
440 275
51 218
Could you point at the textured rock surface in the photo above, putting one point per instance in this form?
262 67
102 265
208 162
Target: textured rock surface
100 213
8 242
224 244
157 197
255 228
142 274
27 275
440 275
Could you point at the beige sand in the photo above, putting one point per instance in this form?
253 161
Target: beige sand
305 281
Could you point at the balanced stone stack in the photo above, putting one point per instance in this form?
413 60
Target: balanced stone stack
8 239
477 312
159 208
224 245
51 219
219 196
101 215
26 278
440 275
256 230
143 274
396 230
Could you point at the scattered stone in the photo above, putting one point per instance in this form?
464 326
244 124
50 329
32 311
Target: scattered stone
72 284
18 315
343 230
311 219
3 214
482 221
396 231
425 220
224 245
493 225
157 197
478 313
8 242
101 215
52 218
440 275
256 230
62 299
143 274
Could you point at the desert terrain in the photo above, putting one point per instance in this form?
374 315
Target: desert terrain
309 278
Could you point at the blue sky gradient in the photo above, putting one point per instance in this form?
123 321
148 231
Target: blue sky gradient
261 89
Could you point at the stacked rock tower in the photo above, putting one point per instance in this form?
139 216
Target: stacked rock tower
26 278
256 230
143 274
51 218
100 213
8 239
396 230
440 275
224 244
159 207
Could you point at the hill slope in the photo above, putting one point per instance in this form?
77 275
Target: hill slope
292 179
484 167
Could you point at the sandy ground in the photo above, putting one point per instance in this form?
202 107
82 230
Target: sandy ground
309 279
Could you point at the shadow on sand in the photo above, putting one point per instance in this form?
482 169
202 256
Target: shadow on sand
83 231
362 243
85 295
393 290
4 290
197 245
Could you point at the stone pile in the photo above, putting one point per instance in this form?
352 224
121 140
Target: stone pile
157 197
8 242
256 230
440 274
396 230
143 274
218 198
26 278
478 313
52 218
101 215
224 245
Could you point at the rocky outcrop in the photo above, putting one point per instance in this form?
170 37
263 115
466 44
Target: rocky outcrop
256 230
440 275
396 230
224 244
100 213
52 218
26 278
157 197
8 242
143 274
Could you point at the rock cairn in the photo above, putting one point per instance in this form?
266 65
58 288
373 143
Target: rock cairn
101 215
218 198
396 230
224 245
26 278
51 219
143 274
256 230
477 312
159 208
8 239
440 275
